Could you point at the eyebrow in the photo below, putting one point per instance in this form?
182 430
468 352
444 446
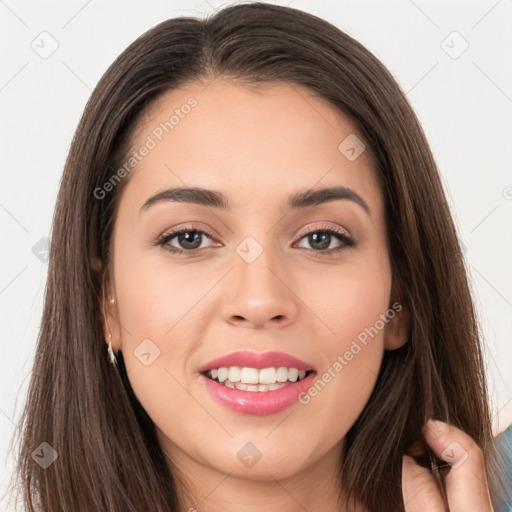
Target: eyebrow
215 199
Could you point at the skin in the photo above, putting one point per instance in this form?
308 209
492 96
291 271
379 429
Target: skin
257 148
466 479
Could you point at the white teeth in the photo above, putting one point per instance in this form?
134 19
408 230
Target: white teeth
267 376
249 375
248 379
282 374
293 374
234 374
222 374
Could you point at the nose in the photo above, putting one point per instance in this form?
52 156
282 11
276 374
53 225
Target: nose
259 295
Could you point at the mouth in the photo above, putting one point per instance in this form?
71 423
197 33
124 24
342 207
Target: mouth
255 379
257 383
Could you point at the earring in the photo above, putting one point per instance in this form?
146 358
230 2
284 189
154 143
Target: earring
111 353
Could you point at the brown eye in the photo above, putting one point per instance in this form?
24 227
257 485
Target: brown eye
187 240
322 240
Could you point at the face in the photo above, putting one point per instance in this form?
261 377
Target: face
310 280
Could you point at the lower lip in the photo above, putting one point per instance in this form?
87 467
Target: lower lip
258 402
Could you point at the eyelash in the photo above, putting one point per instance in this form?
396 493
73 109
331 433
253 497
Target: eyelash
341 235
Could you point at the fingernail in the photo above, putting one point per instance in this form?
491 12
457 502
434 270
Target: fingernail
437 427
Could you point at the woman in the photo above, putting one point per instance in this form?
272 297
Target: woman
253 281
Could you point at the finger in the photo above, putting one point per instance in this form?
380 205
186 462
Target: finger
419 488
466 481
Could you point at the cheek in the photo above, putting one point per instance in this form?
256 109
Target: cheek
159 324
352 304
155 296
161 328
349 299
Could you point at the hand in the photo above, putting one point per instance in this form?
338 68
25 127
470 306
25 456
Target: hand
466 481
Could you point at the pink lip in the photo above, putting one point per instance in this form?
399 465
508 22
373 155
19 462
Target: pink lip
258 402
257 360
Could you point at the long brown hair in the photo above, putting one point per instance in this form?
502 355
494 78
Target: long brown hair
108 455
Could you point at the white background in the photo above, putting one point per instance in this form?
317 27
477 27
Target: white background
464 105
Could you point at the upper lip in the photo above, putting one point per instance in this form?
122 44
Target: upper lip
257 360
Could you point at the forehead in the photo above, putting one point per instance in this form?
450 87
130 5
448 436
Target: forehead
250 144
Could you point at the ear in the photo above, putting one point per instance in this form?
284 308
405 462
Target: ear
398 327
